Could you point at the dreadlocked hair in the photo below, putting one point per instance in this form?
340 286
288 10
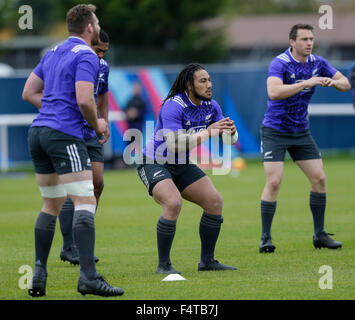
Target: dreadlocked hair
185 76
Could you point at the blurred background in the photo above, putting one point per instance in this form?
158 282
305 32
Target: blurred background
151 40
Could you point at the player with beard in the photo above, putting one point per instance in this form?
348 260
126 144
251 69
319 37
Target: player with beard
62 87
188 117
94 145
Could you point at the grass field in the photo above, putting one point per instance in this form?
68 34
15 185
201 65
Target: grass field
126 240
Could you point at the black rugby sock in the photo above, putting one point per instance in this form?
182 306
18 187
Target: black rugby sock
317 203
268 209
165 236
66 223
84 236
210 226
44 232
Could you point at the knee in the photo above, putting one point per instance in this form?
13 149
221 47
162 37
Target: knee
319 181
52 205
274 184
214 204
172 207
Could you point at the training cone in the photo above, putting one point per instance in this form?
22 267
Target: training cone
173 277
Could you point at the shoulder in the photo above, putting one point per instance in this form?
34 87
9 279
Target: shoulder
104 66
82 48
50 52
84 52
103 62
282 60
176 101
215 105
174 105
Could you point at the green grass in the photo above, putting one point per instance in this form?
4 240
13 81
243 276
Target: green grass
126 240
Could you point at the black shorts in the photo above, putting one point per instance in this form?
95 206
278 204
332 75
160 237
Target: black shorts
95 150
300 145
54 151
182 174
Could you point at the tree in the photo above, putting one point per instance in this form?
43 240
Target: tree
8 14
168 25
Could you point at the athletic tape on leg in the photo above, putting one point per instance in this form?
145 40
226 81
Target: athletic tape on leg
86 207
83 188
57 191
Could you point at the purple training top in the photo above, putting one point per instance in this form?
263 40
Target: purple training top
290 115
179 113
100 88
60 69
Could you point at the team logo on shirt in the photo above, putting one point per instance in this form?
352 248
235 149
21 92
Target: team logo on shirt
208 118
314 74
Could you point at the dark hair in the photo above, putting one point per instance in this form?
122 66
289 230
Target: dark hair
294 30
186 75
79 17
104 36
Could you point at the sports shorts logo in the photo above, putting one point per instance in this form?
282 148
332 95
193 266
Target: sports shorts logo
267 155
156 174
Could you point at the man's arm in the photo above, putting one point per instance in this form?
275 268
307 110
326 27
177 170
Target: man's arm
180 142
339 82
33 90
102 108
277 90
86 103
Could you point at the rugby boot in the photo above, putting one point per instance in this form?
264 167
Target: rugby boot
324 241
99 286
214 265
266 244
37 287
70 254
166 268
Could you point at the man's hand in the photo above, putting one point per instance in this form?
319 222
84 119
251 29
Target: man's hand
314 81
218 127
101 127
339 82
105 136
